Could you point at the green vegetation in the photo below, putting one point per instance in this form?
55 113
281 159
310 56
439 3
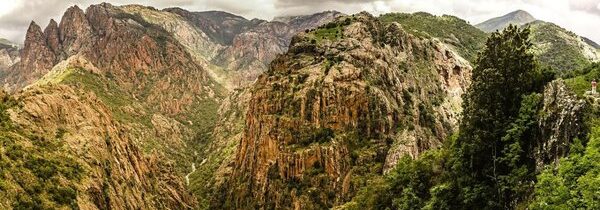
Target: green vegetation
485 166
580 84
307 136
331 31
489 158
407 186
108 91
467 39
574 182
557 48
36 172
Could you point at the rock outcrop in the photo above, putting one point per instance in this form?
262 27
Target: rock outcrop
561 120
324 117
36 60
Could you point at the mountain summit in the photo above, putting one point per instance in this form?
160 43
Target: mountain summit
518 17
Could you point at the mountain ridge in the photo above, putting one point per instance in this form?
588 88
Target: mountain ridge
517 17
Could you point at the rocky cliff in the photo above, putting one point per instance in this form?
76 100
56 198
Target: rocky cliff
137 68
153 72
122 45
342 105
67 137
561 121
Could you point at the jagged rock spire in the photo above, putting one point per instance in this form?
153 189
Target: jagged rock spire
51 35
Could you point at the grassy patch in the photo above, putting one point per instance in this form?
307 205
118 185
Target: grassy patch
331 31
107 91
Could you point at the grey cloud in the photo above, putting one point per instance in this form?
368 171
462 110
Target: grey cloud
233 6
14 25
36 10
296 3
589 6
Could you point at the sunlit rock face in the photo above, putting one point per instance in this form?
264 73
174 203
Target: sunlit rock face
346 100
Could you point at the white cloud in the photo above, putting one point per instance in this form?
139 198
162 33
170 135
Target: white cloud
580 16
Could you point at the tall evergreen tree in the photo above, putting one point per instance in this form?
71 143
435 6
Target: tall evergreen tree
505 72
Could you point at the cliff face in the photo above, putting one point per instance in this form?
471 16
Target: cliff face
342 105
101 166
144 75
560 122
36 60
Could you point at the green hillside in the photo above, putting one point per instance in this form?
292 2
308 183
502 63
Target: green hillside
558 48
450 29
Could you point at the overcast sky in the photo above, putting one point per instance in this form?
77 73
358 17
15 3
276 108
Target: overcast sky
579 16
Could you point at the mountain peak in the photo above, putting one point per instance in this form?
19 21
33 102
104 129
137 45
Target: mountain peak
517 17
34 31
520 15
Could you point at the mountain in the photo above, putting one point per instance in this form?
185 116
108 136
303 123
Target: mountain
4 43
561 49
148 76
133 107
233 49
518 18
127 99
338 109
63 148
555 46
9 55
453 31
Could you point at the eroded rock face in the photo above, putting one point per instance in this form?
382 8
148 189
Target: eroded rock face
326 114
142 57
561 121
36 60
117 175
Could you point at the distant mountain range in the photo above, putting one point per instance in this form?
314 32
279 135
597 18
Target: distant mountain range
518 18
